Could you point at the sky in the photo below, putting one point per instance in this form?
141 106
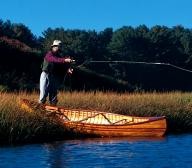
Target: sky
38 15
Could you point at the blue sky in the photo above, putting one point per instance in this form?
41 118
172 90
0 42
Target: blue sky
97 15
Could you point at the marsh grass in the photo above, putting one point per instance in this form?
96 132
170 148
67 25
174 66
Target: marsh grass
19 126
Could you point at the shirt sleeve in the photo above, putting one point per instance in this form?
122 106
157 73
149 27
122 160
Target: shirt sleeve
51 58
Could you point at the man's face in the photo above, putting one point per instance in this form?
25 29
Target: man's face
55 48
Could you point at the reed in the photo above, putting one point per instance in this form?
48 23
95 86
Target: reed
19 126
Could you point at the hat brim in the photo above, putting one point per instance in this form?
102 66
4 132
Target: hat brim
54 45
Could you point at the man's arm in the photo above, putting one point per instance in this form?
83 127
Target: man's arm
51 58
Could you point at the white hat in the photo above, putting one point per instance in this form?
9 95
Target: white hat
56 43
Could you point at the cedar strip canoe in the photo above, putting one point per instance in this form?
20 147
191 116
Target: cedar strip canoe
102 124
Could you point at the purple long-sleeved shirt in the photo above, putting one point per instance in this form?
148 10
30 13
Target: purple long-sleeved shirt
50 57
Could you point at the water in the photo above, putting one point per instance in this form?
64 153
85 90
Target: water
170 151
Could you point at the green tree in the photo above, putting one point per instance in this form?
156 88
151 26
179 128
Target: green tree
104 38
122 44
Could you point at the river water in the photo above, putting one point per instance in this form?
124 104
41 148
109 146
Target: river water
170 151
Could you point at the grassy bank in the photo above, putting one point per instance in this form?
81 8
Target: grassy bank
18 126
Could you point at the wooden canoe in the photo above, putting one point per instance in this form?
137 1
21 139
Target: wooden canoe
103 124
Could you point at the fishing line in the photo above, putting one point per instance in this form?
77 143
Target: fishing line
148 63
130 62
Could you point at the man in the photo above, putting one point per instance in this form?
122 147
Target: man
48 79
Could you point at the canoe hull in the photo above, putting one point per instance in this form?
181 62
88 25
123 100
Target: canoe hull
155 128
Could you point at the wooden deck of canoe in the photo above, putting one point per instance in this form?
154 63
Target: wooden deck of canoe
103 124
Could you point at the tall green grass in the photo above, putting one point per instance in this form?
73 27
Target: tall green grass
19 126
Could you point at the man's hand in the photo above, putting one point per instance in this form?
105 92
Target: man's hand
68 60
70 71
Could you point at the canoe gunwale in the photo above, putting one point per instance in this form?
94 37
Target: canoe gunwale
153 119
131 122
61 109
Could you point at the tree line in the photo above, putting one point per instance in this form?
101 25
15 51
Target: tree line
22 52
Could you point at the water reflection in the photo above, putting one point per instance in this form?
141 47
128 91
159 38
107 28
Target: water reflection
171 151
55 158
94 151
